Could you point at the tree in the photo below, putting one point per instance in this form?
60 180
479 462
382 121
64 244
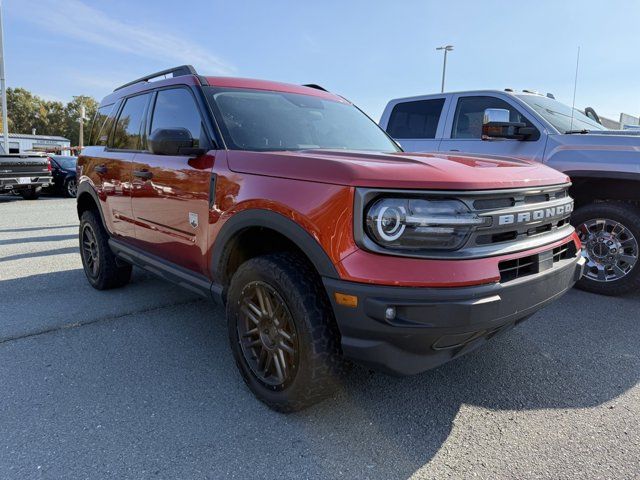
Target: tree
72 114
27 111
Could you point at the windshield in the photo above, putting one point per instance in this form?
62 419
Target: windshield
267 120
68 163
559 115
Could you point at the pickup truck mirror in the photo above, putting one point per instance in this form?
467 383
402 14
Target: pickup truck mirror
496 124
173 141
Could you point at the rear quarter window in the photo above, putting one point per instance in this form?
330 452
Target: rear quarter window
101 126
417 119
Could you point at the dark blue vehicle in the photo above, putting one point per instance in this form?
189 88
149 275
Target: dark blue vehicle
63 170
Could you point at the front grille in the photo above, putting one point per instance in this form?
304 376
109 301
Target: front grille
517 215
532 264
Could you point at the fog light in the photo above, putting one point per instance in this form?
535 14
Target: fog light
390 313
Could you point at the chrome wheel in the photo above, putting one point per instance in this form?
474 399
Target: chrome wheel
610 248
267 335
90 250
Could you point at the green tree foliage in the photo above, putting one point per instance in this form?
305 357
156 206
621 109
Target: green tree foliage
27 111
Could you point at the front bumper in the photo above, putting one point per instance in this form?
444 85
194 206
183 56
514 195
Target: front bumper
434 325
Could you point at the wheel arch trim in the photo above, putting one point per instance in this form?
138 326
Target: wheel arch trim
273 221
84 188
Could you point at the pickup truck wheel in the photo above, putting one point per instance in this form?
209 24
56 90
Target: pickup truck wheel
71 188
282 332
101 267
31 193
610 235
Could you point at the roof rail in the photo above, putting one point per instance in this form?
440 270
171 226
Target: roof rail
175 72
317 87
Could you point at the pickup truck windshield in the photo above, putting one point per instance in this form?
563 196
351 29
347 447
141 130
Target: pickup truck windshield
268 120
559 115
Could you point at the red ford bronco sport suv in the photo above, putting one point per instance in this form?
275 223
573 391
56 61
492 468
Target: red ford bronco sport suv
322 238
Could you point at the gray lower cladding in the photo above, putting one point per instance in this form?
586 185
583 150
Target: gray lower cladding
434 325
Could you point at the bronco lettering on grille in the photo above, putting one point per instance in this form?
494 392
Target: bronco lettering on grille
535 215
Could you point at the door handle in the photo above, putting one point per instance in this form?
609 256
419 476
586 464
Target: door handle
146 174
100 169
454 150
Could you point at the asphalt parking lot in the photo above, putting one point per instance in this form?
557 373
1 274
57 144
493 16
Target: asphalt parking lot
140 383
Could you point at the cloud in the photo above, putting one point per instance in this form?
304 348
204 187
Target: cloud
74 19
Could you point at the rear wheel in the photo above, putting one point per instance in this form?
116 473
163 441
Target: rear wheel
31 193
71 188
610 235
282 332
102 268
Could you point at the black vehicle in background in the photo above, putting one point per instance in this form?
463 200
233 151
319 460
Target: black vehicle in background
63 170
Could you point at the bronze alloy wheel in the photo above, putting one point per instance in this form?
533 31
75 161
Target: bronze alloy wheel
267 335
90 250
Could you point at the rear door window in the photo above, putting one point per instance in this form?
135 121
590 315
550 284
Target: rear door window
126 134
467 122
417 119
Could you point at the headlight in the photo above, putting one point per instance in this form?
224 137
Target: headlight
420 224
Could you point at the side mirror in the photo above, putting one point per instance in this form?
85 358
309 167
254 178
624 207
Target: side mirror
496 124
173 141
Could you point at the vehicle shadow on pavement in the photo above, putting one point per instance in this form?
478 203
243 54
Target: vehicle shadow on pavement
36 229
156 392
46 253
48 238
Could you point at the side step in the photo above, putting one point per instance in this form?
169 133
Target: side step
168 271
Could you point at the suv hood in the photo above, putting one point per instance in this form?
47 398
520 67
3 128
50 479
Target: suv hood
397 170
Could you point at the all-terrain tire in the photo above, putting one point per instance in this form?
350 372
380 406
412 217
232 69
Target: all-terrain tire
320 365
103 270
625 214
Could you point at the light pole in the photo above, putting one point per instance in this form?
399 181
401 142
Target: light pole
3 90
446 48
83 117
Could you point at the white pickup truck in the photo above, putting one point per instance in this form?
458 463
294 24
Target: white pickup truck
604 165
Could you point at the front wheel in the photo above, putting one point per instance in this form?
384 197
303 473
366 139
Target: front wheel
610 235
282 332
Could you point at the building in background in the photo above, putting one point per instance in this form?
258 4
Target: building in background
20 143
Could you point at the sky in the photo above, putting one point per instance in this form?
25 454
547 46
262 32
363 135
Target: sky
368 51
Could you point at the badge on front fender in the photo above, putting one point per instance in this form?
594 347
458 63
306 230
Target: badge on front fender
193 219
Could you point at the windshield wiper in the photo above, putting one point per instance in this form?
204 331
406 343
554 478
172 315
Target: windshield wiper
582 132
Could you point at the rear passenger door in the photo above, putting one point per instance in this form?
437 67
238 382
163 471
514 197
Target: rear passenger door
463 131
418 124
171 192
112 166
